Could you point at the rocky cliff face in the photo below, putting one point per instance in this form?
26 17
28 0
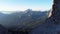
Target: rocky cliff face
52 24
56 11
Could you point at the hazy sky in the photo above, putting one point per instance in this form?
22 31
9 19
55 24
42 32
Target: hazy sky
16 5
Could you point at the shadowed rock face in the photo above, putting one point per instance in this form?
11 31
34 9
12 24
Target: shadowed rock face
52 24
56 8
56 11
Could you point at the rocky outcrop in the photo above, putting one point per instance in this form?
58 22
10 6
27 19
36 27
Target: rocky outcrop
52 24
56 11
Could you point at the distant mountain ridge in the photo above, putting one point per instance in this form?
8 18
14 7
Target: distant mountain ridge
27 19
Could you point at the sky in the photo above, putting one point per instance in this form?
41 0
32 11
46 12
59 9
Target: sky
21 5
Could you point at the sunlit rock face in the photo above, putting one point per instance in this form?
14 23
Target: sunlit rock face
52 24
